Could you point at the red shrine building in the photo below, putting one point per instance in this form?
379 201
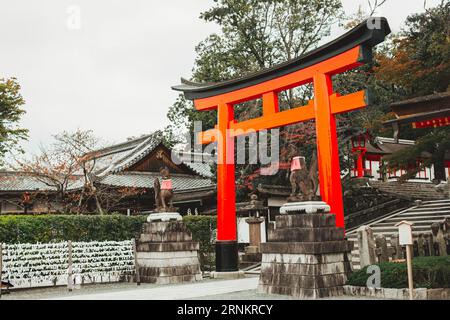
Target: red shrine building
374 155
418 113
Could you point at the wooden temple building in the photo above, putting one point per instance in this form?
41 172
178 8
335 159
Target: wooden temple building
133 164
419 113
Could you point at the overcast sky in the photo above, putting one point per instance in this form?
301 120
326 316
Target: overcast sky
111 70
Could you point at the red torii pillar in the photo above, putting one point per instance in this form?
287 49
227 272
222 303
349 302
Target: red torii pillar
326 104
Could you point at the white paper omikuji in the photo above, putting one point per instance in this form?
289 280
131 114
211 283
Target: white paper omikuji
28 265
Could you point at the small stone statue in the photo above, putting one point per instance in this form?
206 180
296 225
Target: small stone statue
304 182
440 237
163 192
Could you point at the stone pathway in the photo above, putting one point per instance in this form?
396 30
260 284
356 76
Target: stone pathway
208 289
173 292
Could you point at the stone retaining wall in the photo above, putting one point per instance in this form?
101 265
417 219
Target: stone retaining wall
398 294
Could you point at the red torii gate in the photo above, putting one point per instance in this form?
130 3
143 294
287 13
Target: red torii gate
351 50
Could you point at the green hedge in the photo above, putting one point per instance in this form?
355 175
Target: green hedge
202 228
428 272
56 228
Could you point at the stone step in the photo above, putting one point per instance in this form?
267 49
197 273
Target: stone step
393 230
395 220
437 201
422 216
429 209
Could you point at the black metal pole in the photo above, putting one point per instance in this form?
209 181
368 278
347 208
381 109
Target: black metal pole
227 258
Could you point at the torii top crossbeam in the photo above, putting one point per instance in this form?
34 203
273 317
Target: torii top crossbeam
347 52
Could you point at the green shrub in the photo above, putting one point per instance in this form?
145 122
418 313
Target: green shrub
428 272
202 228
56 228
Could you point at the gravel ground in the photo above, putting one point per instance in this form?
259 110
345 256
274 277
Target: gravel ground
254 295
55 292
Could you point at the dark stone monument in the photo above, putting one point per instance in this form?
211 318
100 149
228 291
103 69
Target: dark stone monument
307 255
165 252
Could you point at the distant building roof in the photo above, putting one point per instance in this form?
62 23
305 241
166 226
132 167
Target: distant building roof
426 108
113 165
117 158
24 182
431 97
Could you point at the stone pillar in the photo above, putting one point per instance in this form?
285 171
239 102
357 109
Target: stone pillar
420 244
252 254
397 249
166 253
382 249
306 257
439 238
428 244
254 225
366 246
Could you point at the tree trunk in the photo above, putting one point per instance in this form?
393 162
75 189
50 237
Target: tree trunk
99 207
439 169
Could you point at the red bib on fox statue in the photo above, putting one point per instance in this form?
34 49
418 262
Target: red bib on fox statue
166 184
163 192
296 164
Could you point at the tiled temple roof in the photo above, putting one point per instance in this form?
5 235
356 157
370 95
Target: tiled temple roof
180 182
111 164
116 159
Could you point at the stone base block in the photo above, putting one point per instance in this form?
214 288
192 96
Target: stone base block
166 253
228 275
302 293
307 256
251 249
171 279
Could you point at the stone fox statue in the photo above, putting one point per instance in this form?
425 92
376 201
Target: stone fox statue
304 182
164 193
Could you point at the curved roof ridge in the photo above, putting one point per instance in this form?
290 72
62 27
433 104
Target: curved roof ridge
366 34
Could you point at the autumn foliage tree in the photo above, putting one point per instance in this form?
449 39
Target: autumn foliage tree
69 165
418 65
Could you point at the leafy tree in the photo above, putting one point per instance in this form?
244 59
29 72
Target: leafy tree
434 146
70 166
419 63
11 111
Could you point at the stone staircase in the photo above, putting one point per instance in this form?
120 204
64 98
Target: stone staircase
411 190
422 216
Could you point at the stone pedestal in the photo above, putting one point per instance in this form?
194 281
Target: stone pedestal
304 207
252 253
306 257
254 225
166 253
